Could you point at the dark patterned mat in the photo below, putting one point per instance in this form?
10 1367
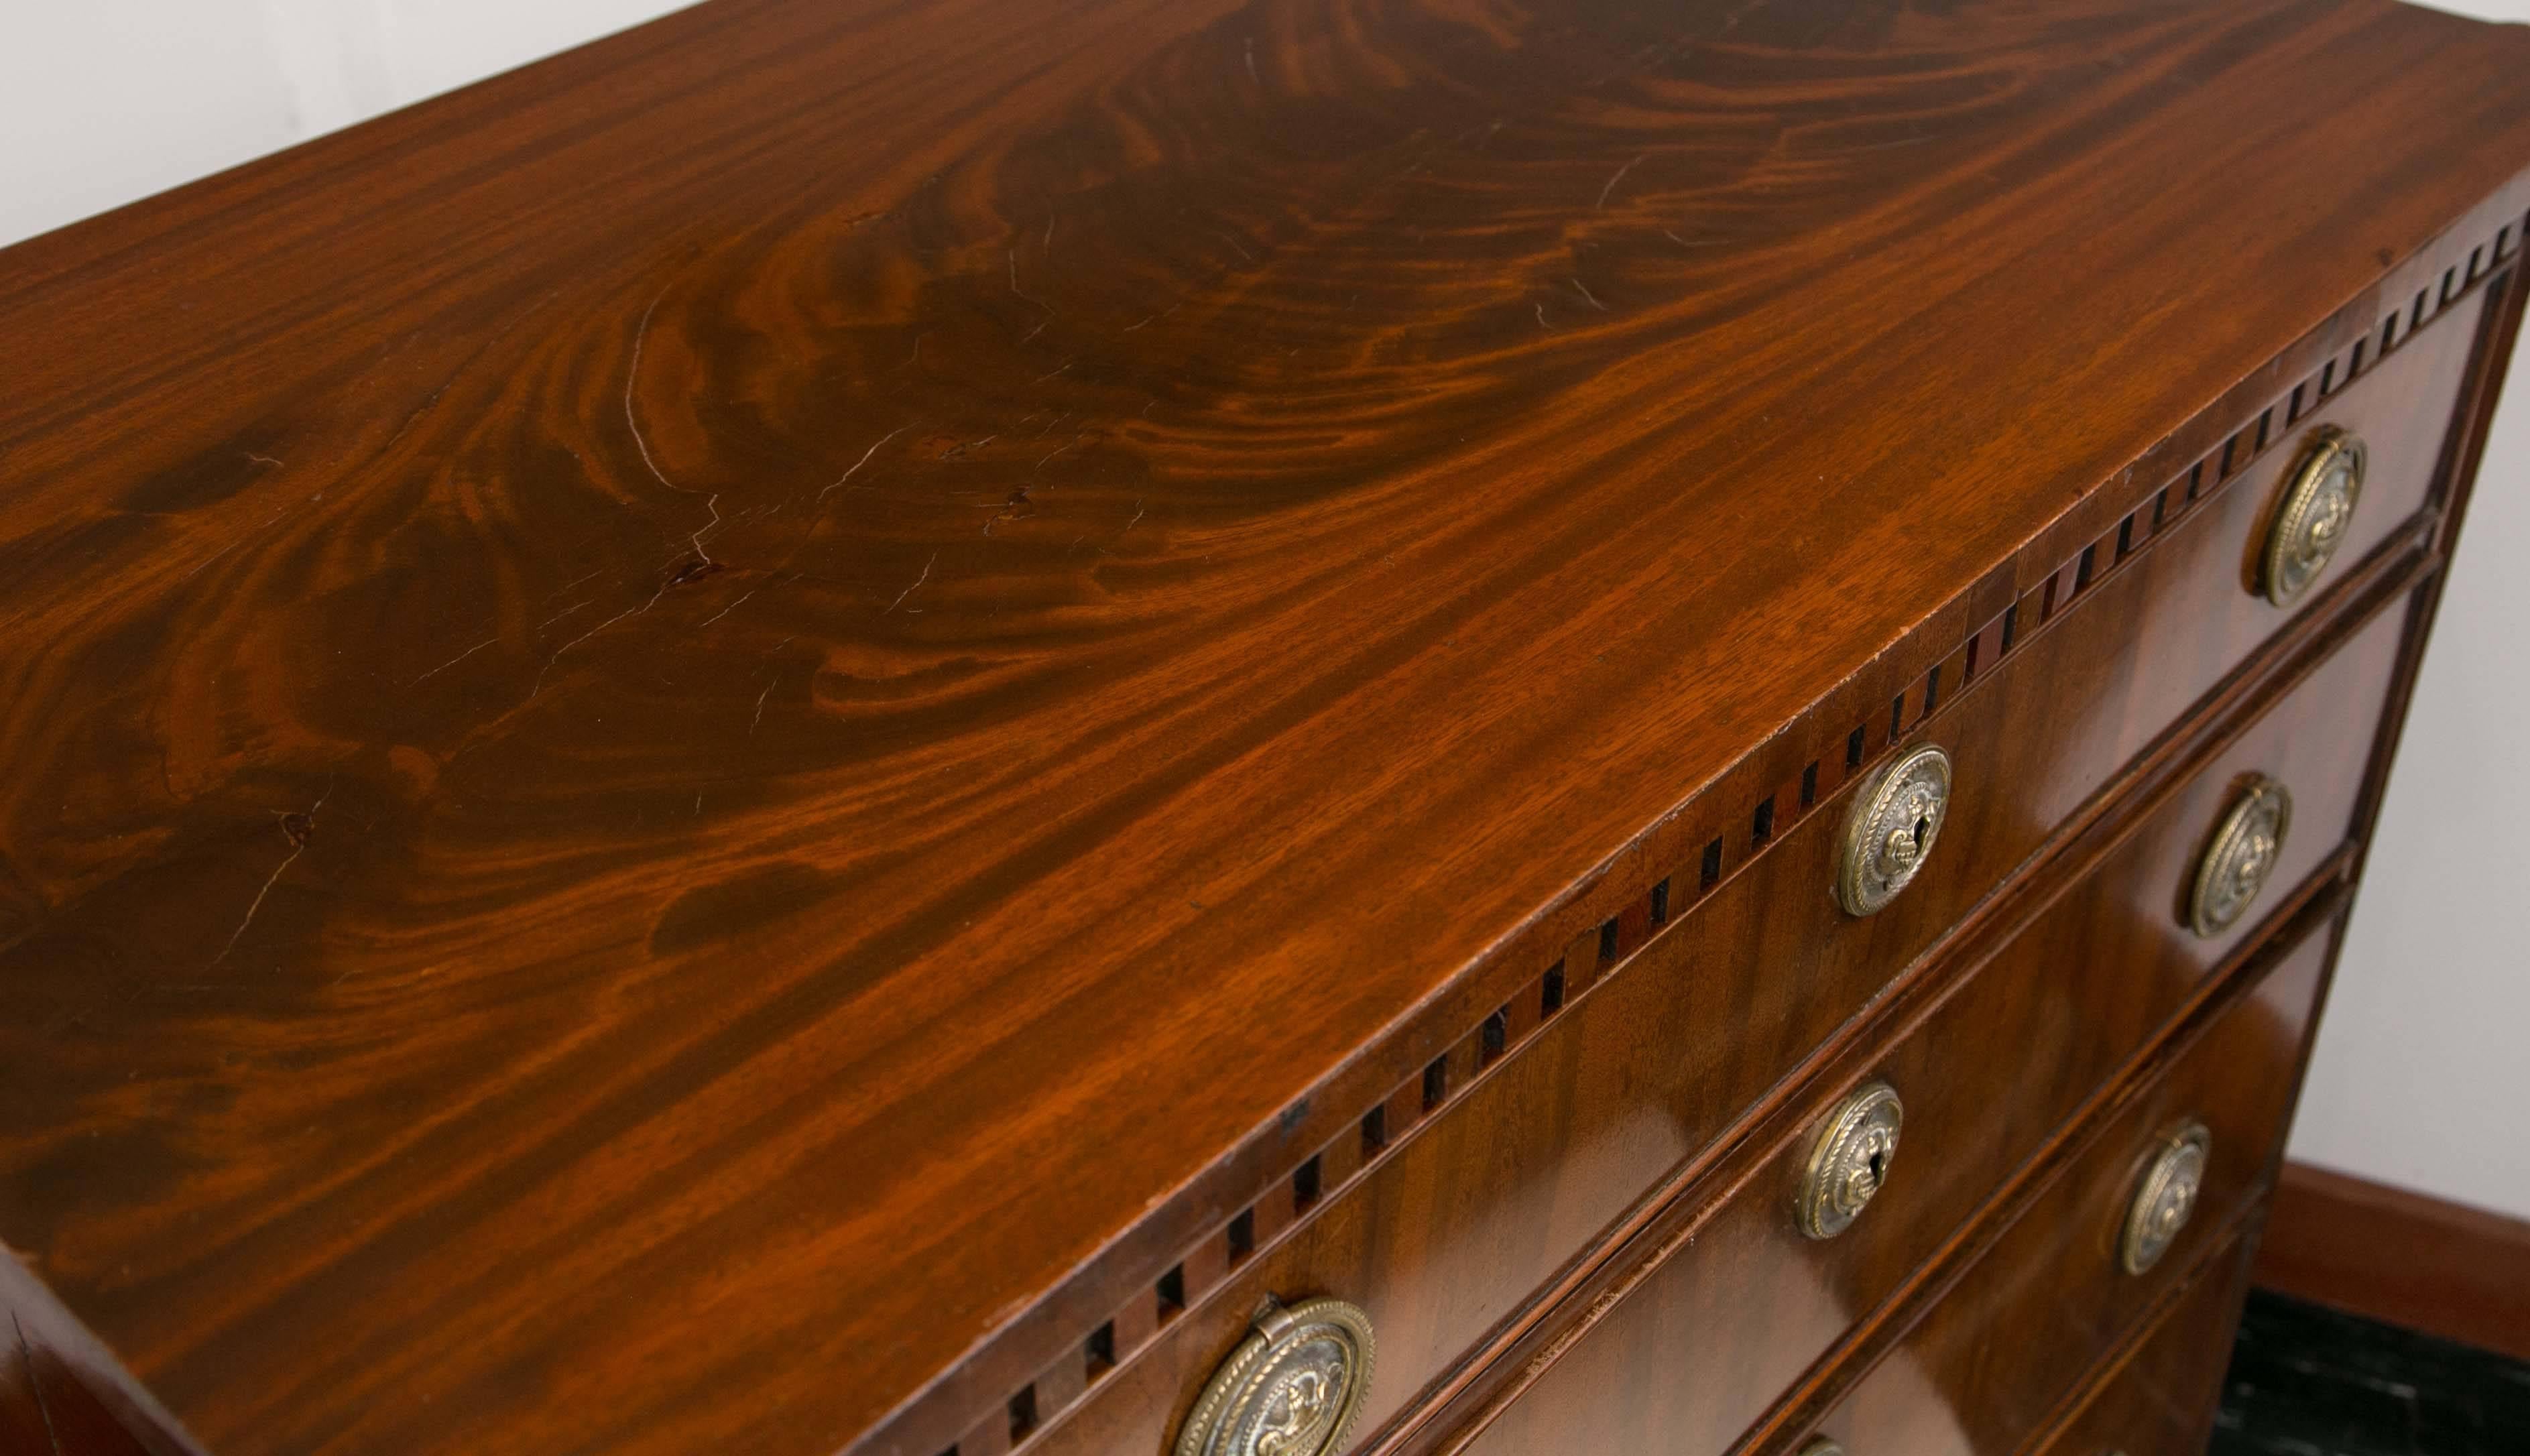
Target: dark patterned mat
2309 1381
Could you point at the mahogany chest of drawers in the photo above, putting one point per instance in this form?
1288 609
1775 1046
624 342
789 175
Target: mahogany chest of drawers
1233 729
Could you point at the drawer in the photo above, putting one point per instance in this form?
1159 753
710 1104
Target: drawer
1489 1178
2207 611
2074 997
2014 1336
2158 1395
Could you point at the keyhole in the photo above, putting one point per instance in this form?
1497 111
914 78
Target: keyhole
1923 826
1879 1167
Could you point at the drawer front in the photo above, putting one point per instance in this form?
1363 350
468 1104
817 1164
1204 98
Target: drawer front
2006 1344
2209 611
1446 1226
1746 1303
2159 1395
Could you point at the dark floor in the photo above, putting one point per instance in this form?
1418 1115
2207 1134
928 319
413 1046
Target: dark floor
2309 1381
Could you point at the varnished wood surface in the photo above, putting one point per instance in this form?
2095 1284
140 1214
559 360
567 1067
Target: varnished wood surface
684 724
2084 989
1648 1071
2160 1396
2401 1257
2053 1280
2138 645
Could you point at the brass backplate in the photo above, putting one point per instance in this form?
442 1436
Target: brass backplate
1849 1162
2240 856
2165 1198
2311 514
1292 1389
1889 828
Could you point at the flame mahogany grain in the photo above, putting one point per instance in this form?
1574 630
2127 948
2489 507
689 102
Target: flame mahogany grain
1649 1077
706 742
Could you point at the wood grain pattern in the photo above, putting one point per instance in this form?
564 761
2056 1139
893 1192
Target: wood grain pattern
2169 650
2159 1394
2087 989
707 716
2052 1279
1652 1071
2033 735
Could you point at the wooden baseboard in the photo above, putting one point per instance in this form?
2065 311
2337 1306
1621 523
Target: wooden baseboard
2400 1258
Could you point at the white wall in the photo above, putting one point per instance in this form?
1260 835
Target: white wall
2427 1034
2429 1026
2428 1029
102 101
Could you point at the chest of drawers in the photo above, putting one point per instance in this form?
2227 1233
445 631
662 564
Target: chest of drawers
1233 731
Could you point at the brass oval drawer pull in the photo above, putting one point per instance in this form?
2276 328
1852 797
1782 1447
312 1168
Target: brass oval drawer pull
1292 1389
1851 1160
1822 1447
2318 504
2239 857
2165 1198
1890 829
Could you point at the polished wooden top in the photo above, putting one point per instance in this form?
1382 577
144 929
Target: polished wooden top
684 724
